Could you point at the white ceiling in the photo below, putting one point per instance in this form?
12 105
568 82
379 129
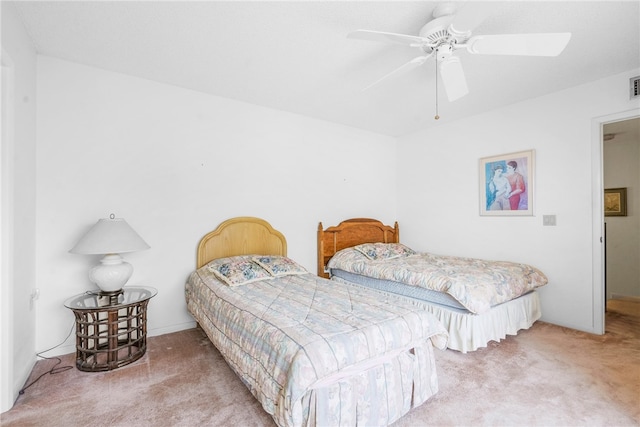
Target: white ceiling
294 56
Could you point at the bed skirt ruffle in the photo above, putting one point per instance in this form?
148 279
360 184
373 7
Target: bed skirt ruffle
377 396
468 331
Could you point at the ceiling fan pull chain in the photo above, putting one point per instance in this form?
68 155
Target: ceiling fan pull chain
436 82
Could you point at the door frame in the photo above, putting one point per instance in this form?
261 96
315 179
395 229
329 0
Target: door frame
597 185
7 393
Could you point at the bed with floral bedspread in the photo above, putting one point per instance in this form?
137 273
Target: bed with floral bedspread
477 284
314 351
476 300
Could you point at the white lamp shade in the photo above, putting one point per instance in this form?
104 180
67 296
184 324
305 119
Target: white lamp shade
110 236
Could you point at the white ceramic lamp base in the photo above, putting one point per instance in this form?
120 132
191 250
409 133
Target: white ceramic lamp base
112 273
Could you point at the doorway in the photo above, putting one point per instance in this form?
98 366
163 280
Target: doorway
598 264
621 179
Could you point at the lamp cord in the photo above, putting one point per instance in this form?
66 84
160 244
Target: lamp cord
54 369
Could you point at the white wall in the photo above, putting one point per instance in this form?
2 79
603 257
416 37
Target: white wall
622 169
175 163
18 315
438 190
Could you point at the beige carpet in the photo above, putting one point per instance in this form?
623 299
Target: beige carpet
545 376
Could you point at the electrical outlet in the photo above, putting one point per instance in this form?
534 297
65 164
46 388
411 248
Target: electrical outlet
548 220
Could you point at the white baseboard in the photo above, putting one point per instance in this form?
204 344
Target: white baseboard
170 329
626 297
59 350
71 347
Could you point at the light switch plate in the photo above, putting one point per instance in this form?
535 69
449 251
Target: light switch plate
548 220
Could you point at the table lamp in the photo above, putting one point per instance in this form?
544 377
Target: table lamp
111 237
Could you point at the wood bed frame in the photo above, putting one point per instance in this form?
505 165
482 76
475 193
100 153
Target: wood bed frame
352 232
241 236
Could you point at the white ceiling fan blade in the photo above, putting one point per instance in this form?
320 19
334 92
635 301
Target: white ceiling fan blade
379 36
452 74
471 14
543 44
415 62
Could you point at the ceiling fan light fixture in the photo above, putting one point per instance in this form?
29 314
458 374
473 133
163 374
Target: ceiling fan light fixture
443 52
455 84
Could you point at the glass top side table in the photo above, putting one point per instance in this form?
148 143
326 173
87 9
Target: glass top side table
111 329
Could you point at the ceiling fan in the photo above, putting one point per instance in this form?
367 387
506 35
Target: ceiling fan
450 30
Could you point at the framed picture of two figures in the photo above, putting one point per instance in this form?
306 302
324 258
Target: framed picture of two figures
506 184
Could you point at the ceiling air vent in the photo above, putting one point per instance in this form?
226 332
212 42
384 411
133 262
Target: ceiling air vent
635 87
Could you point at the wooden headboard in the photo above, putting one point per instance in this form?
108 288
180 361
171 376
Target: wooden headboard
349 233
241 236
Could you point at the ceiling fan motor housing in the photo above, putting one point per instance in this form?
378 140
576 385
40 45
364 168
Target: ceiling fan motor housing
436 31
439 31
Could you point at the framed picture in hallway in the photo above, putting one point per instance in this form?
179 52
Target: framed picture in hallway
506 184
615 202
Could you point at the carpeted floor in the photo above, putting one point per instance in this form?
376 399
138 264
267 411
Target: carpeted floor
544 376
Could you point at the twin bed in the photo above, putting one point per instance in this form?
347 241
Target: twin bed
476 300
312 351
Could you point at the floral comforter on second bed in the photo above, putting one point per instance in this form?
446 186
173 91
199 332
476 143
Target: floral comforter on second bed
476 283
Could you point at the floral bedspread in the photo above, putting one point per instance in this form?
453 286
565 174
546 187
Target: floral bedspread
476 283
287 335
